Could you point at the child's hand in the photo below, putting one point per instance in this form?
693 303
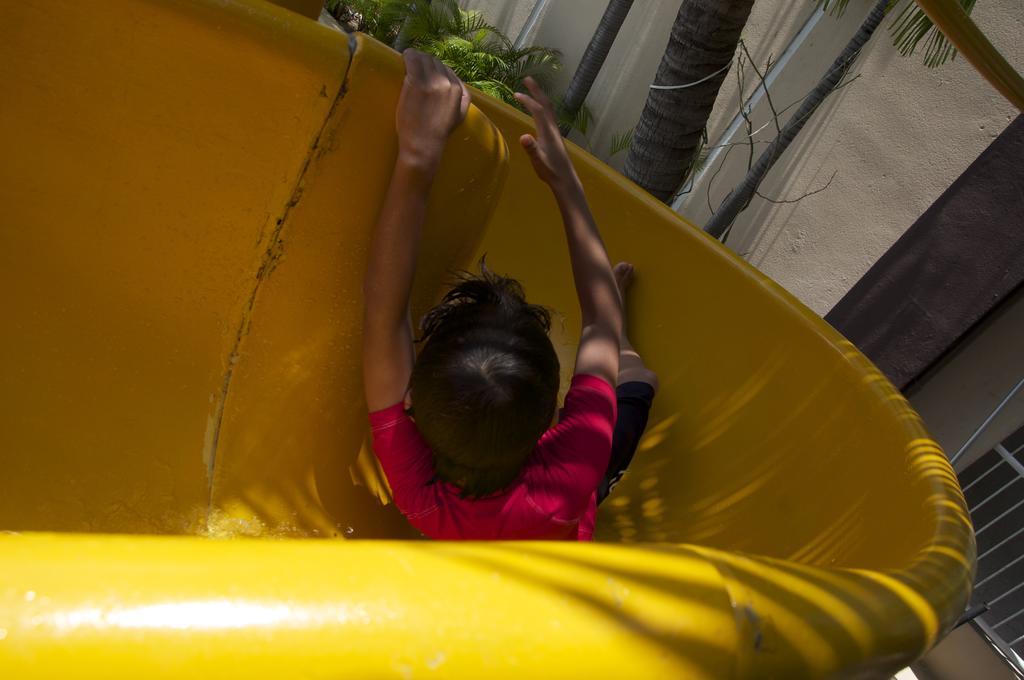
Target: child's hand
432 104
546 150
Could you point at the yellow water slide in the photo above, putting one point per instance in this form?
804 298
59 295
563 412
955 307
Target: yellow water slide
188 189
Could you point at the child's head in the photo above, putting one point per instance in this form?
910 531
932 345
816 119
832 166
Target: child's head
485 385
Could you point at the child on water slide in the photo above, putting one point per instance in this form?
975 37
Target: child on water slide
468 433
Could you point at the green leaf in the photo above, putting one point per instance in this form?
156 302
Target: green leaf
621 142
580 121
833 7
378 18
479 53
495 89
910 27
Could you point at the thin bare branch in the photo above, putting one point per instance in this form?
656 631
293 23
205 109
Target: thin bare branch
751 132
714 175
782 201
764 83
745 142
745 110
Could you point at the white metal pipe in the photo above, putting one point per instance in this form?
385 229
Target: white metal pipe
991 416
1008 457
531 23
996 493
1001 543
983 475
1009 618
998 572
1015 506
1007 593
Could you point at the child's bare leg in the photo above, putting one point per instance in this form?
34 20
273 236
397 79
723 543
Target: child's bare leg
631 366
637 385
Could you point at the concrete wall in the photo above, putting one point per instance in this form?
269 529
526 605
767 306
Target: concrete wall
960 393
895 138
963 655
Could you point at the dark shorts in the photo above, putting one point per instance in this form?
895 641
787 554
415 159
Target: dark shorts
634 406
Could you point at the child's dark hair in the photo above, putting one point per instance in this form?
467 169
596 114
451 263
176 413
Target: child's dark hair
485 385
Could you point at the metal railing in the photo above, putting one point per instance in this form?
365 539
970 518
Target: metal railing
999 590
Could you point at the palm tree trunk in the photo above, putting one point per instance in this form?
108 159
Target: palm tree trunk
593 58
737 201
696 61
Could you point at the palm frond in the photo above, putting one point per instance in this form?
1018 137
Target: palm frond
496 89
701 156
910 27
473 22
538 64
837 7
621 142
426 21
579 121
833 7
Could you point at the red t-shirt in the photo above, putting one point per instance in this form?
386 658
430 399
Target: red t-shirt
554 497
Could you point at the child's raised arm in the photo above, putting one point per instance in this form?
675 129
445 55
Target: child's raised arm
600 306
432 103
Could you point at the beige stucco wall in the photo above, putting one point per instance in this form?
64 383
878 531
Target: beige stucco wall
895 138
